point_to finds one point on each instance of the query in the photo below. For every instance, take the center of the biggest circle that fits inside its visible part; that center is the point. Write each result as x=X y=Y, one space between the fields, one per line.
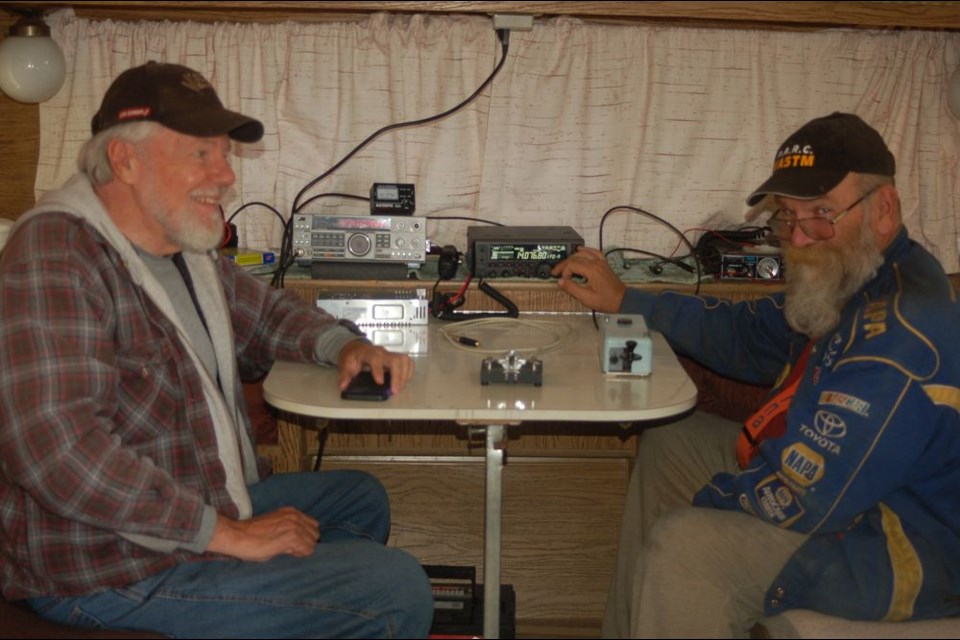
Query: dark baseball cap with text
x=175 y=96
x=819 y=155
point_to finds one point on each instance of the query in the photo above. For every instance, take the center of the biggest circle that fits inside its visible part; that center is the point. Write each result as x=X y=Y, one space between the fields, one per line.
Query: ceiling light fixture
x=32 y=67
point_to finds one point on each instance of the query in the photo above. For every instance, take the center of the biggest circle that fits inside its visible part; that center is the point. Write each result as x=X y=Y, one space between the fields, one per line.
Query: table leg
x=493 y=504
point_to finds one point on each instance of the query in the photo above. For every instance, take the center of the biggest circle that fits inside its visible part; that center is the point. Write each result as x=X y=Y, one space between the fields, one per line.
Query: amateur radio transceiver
x=378 y=306
x=384 y=239
x=393 y=319
x=745 y=265
x=519 y=252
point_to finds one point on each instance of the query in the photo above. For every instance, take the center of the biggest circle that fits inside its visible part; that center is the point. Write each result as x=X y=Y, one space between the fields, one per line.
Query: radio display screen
x=388 y=192
x=528 y=252
x=350 y=222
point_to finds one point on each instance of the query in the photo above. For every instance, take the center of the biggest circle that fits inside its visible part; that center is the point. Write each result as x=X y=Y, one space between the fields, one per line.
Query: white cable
x=559 y=330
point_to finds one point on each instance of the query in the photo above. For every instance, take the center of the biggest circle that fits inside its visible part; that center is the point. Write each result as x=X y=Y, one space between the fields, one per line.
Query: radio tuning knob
x=359 y=244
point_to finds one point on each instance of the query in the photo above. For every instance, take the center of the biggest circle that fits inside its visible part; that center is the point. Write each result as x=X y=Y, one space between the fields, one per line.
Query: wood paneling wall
x=19 y=148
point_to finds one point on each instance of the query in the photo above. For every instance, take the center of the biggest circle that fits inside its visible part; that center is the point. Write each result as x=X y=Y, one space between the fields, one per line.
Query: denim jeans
x=352 y=585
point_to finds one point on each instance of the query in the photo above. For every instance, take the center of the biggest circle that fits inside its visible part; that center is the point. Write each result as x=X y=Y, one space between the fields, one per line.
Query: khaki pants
x=683 y=571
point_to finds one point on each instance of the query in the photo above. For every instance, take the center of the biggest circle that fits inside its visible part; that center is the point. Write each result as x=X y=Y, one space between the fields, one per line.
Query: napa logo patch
x=777 y=503
x=801 y=464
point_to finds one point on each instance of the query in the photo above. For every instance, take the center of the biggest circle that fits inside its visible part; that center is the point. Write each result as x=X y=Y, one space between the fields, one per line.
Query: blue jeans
x=352 y=585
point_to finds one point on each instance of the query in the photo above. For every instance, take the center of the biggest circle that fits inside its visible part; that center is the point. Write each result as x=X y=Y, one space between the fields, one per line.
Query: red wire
x=463 y=289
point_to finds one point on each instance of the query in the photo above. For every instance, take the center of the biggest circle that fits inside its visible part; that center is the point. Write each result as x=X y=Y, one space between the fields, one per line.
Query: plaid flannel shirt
x=103 y=421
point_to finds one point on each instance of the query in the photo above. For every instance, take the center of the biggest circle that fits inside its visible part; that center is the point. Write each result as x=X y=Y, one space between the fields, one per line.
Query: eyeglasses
x=820 y=226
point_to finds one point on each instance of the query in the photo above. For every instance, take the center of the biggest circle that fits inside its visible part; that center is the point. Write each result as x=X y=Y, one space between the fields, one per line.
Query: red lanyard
x=771 y=420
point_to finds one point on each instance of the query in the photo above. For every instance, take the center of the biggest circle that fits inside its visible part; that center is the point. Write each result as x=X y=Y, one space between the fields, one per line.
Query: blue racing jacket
x=869 y=464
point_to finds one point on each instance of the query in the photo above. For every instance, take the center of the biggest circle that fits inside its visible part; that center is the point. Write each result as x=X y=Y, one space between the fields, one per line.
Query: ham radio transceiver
x=519 y=252
x=371 y=239
x=751 y=265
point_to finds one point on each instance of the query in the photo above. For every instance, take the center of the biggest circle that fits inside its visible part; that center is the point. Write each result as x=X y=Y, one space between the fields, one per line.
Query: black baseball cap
x=175 y=96
x=821 y=153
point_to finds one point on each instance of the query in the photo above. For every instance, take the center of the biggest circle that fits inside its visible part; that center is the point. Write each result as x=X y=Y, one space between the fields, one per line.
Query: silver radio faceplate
x=369 y=238
x=394 y=319
x=377 y=306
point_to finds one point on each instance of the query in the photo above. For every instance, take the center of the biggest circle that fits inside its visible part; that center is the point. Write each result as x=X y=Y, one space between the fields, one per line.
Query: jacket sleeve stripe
x=943 y=395
x=907 y=570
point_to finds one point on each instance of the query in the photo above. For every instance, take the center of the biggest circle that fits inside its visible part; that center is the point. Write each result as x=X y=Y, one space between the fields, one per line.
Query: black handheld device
x=364 y=387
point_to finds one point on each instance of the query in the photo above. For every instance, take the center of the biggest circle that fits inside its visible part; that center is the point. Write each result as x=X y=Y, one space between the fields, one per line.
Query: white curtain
x=681 y=122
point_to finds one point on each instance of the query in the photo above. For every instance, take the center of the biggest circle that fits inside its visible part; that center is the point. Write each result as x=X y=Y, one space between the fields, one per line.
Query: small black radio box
x=743 y=265
x=390 y=198
x=519 y=252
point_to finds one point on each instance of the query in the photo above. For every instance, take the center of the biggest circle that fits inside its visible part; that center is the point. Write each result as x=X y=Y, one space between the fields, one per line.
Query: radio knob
x=359 y=244
x=768 y=268
x=543 y=270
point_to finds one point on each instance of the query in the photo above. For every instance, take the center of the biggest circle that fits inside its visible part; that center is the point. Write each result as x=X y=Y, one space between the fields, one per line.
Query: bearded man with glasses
x=841 y=493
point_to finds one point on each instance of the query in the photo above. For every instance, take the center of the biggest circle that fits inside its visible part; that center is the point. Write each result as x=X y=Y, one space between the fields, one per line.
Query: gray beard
x=187 y=233
x=200 y=239
x=820 y=284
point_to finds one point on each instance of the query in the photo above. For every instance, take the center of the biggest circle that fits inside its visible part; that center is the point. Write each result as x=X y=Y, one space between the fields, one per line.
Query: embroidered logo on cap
x=195 y=82
x=133 y=113
x=794 y=156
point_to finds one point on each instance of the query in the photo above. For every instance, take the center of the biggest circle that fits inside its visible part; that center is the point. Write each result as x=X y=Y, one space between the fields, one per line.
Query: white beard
x=821 y=280
x=194 y=235
x=186 y=230
x=183 y=228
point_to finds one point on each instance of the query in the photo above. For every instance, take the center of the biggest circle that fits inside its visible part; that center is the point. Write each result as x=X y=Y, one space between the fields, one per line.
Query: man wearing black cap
x=130 y=492
x=840 y=494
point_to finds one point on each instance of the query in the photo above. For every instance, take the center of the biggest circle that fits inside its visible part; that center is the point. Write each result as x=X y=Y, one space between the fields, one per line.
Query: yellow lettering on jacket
x=875 y=316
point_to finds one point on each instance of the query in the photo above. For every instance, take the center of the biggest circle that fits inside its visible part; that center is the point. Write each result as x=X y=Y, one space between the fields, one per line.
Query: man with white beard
x=131 y=495
x=839 y=494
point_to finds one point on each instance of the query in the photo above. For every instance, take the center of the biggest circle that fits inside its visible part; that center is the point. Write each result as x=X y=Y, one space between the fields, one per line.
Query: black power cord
x=443 y=306
x=707 y=252
x=657 y=267
x=644 y=212
x=287 y=256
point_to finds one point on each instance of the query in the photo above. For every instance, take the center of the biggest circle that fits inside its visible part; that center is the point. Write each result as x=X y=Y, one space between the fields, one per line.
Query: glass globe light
x=32 y=67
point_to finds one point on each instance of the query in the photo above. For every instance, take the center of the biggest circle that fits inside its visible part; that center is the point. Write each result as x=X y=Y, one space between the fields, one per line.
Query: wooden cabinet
x=564 y=485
